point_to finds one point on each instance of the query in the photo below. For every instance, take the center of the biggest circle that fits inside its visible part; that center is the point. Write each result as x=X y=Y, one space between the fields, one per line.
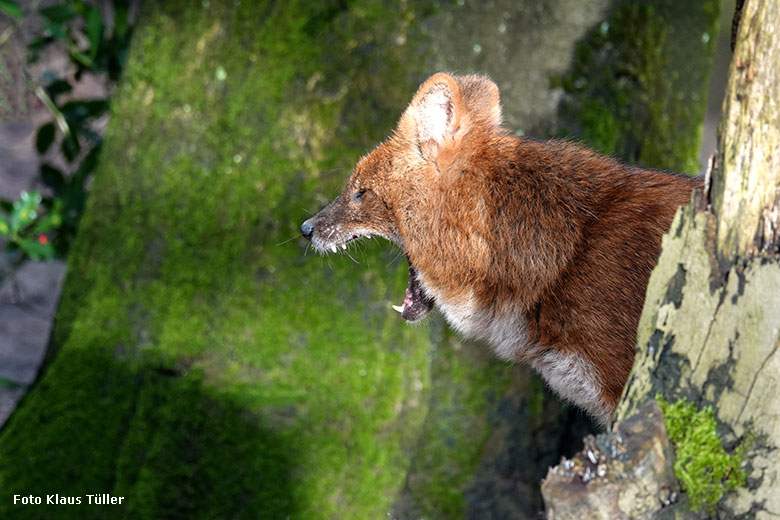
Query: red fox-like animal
x=540 y=249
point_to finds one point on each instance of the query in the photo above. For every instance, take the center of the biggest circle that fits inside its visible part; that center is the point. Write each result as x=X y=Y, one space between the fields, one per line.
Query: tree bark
x=710 y=330
x=744 y=192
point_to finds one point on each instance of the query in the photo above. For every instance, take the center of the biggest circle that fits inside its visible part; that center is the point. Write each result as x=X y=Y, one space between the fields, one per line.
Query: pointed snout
x=307 y=229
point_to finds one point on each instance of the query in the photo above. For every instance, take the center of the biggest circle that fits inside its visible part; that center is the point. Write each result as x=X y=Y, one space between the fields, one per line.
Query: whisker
x=331 y=171
x=362 y=248
x=350 y=257
x=395 y=259
x=288 y=240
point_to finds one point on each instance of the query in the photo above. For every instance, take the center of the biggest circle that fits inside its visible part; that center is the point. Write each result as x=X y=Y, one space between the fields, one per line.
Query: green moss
x=703 y=467
x=203 y=364
x=626 y=93
x=466 y=382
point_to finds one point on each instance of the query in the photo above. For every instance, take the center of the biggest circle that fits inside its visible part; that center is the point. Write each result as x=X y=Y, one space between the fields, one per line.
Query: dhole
x=540 y=249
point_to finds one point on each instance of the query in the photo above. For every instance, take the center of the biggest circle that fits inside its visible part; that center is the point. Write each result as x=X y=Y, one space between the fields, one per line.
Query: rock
x=626 y=473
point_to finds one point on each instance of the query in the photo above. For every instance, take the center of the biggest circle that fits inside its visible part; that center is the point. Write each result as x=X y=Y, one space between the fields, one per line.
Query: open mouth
x=335 y=248
x=416 y=303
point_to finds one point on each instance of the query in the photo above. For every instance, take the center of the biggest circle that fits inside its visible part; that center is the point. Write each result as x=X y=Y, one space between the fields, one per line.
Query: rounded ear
x=435 y=112
x=481 y=97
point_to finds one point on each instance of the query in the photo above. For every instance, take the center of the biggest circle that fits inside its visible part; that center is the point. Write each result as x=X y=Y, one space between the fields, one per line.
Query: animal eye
x=359 y=194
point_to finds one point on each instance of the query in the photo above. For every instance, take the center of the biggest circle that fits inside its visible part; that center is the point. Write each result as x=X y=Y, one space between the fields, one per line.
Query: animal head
x=393 y=188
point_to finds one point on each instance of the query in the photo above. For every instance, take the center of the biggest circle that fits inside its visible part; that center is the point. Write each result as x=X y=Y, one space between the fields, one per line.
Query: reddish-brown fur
x=551 y=232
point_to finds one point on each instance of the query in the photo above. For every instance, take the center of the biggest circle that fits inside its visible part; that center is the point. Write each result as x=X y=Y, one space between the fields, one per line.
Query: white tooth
x=399 y=308
x=333 y=248
x=344 y=247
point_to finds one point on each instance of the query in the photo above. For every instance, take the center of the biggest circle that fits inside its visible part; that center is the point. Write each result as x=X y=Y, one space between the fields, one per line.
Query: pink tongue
x=408 y=297
x=416 y=303
x=408 y=301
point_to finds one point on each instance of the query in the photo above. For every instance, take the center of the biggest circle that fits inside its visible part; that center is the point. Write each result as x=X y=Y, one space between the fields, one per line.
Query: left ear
x=435 y=115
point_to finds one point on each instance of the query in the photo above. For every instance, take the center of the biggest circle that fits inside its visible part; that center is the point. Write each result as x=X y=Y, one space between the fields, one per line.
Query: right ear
x=435 y=115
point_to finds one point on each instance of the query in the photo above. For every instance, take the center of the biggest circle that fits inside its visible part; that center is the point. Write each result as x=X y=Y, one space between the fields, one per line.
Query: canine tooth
x=344 y=247
x=333 y=248
x=399 y=308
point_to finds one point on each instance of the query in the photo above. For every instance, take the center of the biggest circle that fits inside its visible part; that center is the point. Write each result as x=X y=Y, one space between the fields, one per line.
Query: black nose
x=307 y=229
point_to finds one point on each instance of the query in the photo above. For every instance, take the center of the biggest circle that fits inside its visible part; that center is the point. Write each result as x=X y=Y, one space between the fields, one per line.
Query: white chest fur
x=505 y=333
x=574 y=378
x=504 y=329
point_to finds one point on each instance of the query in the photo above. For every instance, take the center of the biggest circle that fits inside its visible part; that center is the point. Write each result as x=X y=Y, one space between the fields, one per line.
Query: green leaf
x=73 y=199
x=78 y=110
x=24 y=210
x=34 y=47
x=121 y=21
x=45 y=137
x=57 y=87
x=55 y=31
x=10 y=8
x=94 y=30
x=52 y=177
x=7 y=383
x=70 y=147
x=82 y=59
x=30 y=197
x=59 y=14
x=87 y=166
x=47 y=223
x=36 y=250
x=80 y=7
x=5 y=229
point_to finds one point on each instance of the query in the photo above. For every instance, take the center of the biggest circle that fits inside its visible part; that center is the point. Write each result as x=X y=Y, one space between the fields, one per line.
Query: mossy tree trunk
x=710 y=330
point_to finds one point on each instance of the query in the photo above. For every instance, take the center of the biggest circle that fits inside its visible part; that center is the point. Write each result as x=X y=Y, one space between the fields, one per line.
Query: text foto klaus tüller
x=100 y=499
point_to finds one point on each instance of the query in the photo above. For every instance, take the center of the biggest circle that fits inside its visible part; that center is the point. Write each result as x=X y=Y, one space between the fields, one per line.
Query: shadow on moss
x=173 y=450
